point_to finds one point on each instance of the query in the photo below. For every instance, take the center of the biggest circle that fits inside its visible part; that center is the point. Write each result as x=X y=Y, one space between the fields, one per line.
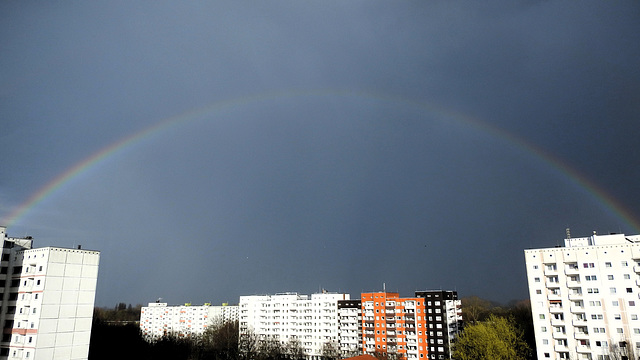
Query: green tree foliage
x=475 y=309
x=496 y=338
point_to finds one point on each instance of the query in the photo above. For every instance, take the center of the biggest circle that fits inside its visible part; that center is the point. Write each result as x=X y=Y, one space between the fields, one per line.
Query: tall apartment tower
x=159 y=319
x=311 y=320
x=585 y=298
x=444 y=320
x=350 y=328
x=47 y=300
x=394 y=325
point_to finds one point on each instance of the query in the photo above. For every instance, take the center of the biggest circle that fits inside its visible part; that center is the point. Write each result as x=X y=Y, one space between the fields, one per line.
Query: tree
x=496 y=338
x=270 y=349
x=294 y=350
x=475 y=309
x=220 y=341
x=330 y=351
x=248 y=345
x=621 y=350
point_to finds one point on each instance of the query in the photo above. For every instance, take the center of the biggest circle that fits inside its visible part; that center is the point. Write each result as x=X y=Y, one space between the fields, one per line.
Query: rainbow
x=575 y=177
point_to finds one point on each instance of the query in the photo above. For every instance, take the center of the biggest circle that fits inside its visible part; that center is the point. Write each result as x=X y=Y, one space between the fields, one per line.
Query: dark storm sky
x=342 y=145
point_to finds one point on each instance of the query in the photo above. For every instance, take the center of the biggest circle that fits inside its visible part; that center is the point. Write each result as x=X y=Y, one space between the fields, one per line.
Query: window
x=632 y=303
x=588 y=265
x=629 y=290
x=612 y=290
x=607 y=264
x=615 y=303
x=627 y=276
x=609 y=277
x=591 y=278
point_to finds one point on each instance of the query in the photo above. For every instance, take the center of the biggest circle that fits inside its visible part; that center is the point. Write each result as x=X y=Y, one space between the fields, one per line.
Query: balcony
x=575 y=296
x=583 y=349
x=555 y=309
x=561 y=348
x=552 y=283
x=576 y=309
x=573 y=284
x=571 y=270
x=552 y=271
x=579 y=322
x=559 y=335
x=581 y=335
x=554 y=297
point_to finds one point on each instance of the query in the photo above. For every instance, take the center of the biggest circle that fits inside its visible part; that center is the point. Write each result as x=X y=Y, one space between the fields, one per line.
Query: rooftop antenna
x=384 y=287
x=568 y=231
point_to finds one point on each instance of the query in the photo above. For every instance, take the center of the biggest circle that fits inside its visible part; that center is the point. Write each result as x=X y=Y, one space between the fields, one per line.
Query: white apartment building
x=47 y=300
x=311 y=320
x=159 y=319
x=585 y=298
x=350 y=328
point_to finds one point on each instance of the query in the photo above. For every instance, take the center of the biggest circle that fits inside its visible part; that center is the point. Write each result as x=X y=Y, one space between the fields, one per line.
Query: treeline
x=487 y=326
x=120 y=313
x=493 y=331
x=221 y=341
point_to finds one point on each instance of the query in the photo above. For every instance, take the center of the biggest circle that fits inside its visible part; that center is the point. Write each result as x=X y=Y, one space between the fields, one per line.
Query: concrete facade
x=48 y=300
x=585 y=298
x=311 y=320
x=160 y=319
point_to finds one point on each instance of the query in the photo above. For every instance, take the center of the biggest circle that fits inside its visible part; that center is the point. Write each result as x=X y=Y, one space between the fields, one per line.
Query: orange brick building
x=394 y=325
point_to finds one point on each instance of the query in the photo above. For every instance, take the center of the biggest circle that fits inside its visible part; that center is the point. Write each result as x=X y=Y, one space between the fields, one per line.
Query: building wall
x=394 y=325
x=160 y=319
x=585 y=297
x=444 y=319
x=311 y=320
x=50 y=308
x=350 y=327
x=9 y=285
